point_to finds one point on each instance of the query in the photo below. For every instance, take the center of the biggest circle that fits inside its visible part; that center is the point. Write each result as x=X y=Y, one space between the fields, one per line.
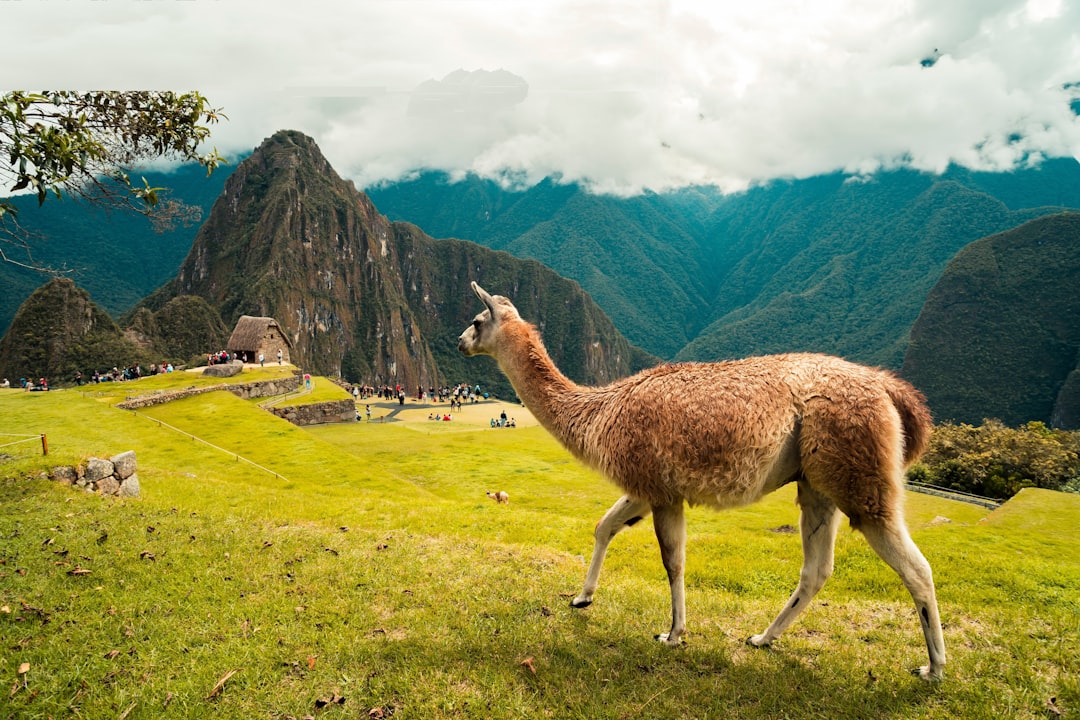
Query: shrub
x=997 y=461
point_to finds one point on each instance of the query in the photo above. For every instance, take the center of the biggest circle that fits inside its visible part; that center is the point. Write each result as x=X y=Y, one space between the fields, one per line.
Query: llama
x=726 y=434
x=499 y=497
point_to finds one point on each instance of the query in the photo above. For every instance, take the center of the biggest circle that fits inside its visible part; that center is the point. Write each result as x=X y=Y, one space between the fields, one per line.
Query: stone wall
x=266 y=388
x=246 y=391
x=317 y=413
x=115 y=476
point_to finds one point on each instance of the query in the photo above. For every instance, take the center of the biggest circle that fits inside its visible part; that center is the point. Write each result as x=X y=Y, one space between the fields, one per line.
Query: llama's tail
x=914 y=415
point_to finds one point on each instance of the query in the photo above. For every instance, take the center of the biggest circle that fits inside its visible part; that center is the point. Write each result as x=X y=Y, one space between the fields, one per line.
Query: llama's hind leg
x=625 y=512
x=669 y=522
x=892 y=542
x=818 y=524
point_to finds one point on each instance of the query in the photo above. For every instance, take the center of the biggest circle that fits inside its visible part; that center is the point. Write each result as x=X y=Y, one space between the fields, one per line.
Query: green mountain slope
x=830 y=276
x=361 y=297
x=999 y=335
x=116 y=256
x=828 y=263
x=635 y=256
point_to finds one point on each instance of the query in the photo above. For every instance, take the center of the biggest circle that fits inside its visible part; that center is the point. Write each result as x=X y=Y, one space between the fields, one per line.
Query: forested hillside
x=999 y=336
x=832 y=263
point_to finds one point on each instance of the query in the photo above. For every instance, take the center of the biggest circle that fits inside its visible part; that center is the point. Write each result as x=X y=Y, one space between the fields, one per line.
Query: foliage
x=71 y=142
x=371 y=568
x=994 y=460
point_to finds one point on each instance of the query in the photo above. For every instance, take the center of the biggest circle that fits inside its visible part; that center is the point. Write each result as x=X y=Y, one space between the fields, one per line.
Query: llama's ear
x=485 y=298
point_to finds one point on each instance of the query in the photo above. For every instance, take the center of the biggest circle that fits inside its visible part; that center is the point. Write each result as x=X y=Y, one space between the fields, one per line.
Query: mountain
x=635 y=256
x=839 y=266
x=362 y=297
x=117 y=256
x=999 y=335
x=58 y=331
x=831 y=263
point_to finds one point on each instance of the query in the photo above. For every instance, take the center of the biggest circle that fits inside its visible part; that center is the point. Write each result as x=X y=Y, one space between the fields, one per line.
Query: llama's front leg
x=625 y=512
x=818 y=524
x=669 y=522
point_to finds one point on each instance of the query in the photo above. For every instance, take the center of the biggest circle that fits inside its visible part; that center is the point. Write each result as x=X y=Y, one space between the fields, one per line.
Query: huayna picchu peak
x=370 y=300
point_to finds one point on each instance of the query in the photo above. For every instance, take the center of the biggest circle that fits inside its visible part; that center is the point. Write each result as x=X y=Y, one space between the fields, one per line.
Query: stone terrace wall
x=317 y=413
x=260 y=388
x=115 y=476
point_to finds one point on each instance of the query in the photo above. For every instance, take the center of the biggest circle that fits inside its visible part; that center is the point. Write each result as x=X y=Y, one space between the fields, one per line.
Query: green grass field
x=358 y=570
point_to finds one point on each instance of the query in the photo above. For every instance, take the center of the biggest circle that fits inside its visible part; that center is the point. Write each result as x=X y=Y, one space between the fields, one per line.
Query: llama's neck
x=540 y=385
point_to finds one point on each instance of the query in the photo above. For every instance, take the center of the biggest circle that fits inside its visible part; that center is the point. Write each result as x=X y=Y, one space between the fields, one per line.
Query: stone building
x=254 y=335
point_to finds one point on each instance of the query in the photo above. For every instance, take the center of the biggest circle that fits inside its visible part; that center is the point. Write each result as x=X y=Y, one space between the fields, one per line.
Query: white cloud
x=622 y=95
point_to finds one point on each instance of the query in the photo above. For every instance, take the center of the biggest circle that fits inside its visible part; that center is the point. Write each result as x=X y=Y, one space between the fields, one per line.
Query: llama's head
x=481 y=337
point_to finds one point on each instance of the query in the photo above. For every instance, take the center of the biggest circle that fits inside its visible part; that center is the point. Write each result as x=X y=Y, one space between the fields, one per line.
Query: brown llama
x=499 y=496
x=726 y=434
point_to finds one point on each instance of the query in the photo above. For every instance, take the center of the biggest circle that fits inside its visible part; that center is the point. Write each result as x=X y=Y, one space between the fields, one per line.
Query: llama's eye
x=476 y=324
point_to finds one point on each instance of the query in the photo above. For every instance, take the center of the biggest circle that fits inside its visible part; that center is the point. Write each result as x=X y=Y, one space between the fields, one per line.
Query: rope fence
x=27 y=438
x=239 y=458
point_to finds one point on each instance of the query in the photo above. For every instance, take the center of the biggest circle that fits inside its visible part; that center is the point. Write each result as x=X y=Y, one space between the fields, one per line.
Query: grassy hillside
x=363 y=571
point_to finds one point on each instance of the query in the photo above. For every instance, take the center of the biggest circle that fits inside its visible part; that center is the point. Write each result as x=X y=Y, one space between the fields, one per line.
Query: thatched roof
x=250 y=331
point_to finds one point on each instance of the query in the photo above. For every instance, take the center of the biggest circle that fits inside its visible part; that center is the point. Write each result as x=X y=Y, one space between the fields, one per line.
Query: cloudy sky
x=619 y=94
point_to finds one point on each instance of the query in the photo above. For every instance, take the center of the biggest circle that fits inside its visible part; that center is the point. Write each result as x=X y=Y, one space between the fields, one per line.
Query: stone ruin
x=115 y=476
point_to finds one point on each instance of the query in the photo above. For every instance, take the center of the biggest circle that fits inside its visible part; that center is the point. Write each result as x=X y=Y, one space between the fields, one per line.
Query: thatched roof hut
x=255 y=336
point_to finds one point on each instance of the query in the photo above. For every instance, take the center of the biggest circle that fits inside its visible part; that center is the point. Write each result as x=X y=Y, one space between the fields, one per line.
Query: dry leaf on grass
x=527 y=663
x=78 y=570
x=221 y=684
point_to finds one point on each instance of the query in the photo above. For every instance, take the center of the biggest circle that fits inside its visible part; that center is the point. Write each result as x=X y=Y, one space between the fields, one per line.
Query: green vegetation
x=59 y=332
x=371 y=577
x=830 y=264
x=999 y=334
x=118 y=257
x=997 y=461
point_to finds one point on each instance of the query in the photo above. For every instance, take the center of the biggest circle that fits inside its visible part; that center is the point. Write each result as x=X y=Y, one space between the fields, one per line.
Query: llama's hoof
x=928 y=674
x=758 y=641
x=580 y=603
x=666 y=639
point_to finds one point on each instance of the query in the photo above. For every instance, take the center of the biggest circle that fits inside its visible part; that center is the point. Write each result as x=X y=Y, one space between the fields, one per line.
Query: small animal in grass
x=726 y=434
x=500 y=496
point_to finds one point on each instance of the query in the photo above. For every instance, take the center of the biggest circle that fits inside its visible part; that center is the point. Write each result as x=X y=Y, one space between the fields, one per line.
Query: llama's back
x=707 y=432
x=726 y=433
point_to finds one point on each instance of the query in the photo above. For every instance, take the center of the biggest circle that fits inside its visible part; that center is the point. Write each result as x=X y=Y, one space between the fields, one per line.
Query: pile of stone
x=115 y=476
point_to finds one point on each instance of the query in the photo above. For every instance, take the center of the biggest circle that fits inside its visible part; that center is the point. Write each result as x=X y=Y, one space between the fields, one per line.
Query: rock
x=224 y=371
x=130 y=487
x=108 y=485
x=939 y=520
x=96 y=469
x=65 y=474
x=123 y=464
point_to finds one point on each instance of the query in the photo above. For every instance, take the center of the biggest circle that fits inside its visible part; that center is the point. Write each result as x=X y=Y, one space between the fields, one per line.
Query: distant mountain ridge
x=832 y=263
